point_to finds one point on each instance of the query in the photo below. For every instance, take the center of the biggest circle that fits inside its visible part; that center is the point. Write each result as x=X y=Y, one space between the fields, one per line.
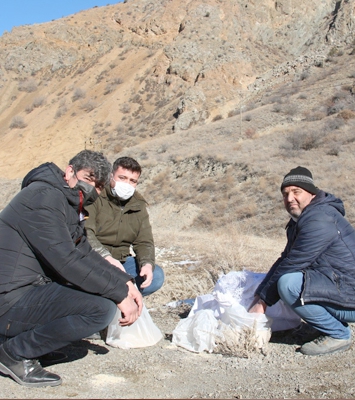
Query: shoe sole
x=8 y=372
x=338 y=350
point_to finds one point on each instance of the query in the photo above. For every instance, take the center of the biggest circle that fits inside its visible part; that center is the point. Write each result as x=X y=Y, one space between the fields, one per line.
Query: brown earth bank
x=217 y=100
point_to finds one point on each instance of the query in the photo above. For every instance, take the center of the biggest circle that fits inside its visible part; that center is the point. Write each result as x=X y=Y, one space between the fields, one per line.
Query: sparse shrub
x=302 y=96
x=89 y=105
x=38 y=101
x=276 y=99
x=314 y=116
x=78 y=94
x=125 y=108
x=304 y=75
x=162 y=149
x=332 y=52
x=217 y=118
x=335 y=124
x=247 y=117
x=28 y=85
x=340 y=95
x=305 y=141
x=335 y=108
x=232 y=113
x=61 y=111
x=17 y=122
x=276 y=108
x=346 y=114
x=250 y=133
x=334 y=151
x=29 y=109
x=289 y=109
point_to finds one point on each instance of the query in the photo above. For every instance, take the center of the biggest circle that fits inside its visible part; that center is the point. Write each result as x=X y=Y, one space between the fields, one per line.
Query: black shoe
x=53 y=357
x=27 y=372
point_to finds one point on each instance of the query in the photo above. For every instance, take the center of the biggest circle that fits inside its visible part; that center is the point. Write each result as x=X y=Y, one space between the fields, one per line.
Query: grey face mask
x=89 y=192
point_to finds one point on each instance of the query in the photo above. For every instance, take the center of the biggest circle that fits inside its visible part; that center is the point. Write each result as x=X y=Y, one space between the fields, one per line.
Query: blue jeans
x=328 y=318
x=51 y=316
x=132 y=268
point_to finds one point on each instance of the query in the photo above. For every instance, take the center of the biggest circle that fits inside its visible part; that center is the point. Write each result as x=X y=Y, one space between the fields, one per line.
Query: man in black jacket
x=315 y=274
x=54 y=289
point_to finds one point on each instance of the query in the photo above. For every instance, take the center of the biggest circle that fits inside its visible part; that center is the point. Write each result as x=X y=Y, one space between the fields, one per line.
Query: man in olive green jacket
x=118 y=222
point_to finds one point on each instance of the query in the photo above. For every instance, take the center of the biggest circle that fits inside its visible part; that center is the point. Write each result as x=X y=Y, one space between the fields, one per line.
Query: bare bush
x=314 y=116
x=125 y=108
x=276 y=108
x=89 y=105
x=78 y=94
x=304 y=75
x=250 y=133
x=346 y=114
x=334 y=124
x=305 y=141
x=17 y=122
x=39 y=101
x=61 y=111
x=29 y=109
x=28 y=85
x=237 y=342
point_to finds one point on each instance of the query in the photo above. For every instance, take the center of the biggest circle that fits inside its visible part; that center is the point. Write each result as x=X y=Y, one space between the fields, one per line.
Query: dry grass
x=236 y=342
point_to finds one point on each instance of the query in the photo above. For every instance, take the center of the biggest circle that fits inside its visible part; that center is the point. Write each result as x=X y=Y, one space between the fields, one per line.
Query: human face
x=296 y=200
x=72 y=178
x=125 y=175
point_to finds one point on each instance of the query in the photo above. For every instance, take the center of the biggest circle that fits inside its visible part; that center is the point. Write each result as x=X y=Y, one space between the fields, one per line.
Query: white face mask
x=123 y=190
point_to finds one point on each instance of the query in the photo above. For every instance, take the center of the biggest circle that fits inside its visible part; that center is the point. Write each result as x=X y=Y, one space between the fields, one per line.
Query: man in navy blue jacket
x=315 y=274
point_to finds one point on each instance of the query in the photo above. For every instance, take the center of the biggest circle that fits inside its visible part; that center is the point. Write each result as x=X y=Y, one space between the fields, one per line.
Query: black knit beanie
x=301 y=177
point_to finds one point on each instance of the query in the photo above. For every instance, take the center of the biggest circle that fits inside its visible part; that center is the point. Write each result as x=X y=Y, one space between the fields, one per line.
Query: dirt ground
x=94 y=370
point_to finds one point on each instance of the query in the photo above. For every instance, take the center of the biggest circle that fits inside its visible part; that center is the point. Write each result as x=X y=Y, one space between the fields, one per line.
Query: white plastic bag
x=142 y=333
x=197 y=333
x=238 y=287
x=239 y=318
x=228 y=307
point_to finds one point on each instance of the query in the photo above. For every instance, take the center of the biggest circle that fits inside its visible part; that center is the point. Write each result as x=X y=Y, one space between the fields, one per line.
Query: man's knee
x=290 y=286
x=103 y=311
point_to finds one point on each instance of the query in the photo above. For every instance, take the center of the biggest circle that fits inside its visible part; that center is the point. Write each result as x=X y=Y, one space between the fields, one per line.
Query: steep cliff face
x=116 y=76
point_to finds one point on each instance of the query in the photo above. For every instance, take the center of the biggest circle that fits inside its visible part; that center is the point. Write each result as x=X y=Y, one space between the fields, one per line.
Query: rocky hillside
x=218 y=100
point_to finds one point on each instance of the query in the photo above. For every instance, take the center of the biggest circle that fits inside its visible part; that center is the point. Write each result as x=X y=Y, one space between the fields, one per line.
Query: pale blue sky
x=28 y=12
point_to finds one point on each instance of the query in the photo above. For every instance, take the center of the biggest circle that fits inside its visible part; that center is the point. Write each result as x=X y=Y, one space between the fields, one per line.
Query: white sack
x=142 y=333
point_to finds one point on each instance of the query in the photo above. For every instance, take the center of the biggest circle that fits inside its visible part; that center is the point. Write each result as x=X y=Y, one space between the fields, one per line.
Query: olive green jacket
x=113 y=226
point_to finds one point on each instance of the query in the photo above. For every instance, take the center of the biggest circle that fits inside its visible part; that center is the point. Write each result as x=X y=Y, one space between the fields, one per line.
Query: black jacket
x=41 y=238
x=321 y=244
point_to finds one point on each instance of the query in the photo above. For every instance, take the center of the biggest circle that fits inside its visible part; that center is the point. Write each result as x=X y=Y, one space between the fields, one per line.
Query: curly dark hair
x=96 y=163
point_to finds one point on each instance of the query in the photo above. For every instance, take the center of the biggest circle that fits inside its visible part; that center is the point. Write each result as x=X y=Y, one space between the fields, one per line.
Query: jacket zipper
x=304 y=287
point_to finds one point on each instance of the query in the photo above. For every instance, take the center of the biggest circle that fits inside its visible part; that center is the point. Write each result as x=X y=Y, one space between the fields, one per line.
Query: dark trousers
x=52 y=316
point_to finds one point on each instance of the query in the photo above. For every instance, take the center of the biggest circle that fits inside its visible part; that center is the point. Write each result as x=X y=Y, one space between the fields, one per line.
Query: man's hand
x=115 y=262
x=147 y=273
x=258 y=306
x=131 y=306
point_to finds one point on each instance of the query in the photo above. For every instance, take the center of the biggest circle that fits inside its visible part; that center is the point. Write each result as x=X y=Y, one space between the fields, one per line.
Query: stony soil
x=95 y=370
